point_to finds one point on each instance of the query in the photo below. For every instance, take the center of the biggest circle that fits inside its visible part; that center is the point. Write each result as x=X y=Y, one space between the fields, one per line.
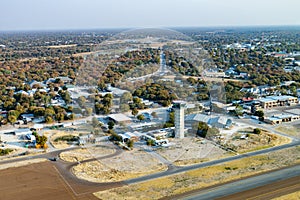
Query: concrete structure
x=178 y=107
x=214 y=121
x=278 y=119
x=277 y=101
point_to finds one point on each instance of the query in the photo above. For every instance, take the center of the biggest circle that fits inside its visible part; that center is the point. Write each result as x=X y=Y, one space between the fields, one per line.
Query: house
x=119 y=118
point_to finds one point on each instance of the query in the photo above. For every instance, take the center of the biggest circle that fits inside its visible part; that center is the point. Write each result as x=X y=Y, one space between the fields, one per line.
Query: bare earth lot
x=189 y=151
x=129 y=164
x=36 y=181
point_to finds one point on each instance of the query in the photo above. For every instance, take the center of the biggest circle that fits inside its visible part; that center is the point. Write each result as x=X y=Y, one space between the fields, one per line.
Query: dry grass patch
x=204 y=177
x=254 y=142
x=289 y=130
x=292 y=196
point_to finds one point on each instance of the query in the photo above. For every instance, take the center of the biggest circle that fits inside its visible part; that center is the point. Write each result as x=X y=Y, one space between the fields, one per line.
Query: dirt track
x=42 y=181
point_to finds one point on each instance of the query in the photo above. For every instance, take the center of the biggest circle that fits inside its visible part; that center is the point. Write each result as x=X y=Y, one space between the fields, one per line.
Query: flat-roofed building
x=277 y=101
x=119 y=118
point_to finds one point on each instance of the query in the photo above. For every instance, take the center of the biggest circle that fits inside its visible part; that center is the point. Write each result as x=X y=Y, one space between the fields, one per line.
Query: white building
x=179 y=106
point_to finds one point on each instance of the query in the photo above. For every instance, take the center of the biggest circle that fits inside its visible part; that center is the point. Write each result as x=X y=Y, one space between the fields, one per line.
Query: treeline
x=155 y=92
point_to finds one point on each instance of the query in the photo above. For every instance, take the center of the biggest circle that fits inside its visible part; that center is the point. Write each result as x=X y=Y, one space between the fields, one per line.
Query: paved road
x=290 y=176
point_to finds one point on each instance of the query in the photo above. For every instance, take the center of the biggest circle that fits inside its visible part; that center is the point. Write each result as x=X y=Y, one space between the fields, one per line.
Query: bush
x=68 y=138
x=4 y=152
x=256 y=131
x=150 y=142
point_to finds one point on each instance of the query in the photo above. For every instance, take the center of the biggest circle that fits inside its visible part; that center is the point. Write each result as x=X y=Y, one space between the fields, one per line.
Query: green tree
x=125 y=98
x=140 y=117
x=49 y=120
x=111 y=125
x=124 y=107
x=256 y=131
x=260 y=114
x=134 y=111
x=59 y=117
x=95 y=122
x=130 y=144
x=12 y=119
x=202 y=129
x=239 y=110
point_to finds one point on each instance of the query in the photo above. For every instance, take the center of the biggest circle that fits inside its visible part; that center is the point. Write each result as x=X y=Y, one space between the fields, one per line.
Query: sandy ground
x=22 y=163
x=204 y=177
x=129 y=164
x=86 y=153
x=189 y=151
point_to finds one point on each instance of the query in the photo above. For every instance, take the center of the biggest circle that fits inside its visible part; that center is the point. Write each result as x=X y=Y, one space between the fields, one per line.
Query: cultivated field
x=35 y=181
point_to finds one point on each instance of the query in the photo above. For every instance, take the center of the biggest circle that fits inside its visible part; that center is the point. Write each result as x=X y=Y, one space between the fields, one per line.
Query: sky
x=93 y=14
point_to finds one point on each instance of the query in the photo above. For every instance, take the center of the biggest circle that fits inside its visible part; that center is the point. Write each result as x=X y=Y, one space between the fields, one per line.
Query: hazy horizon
x=92 y=14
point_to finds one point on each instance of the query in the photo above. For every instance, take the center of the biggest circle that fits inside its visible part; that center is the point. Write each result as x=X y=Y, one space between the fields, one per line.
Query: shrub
x=256 y=131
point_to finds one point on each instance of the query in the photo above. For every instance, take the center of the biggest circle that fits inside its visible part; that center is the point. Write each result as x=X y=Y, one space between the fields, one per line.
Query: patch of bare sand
x=188 y=151
x=130 y=164
x=22 y=163
x=86 y=153
x=203 y=177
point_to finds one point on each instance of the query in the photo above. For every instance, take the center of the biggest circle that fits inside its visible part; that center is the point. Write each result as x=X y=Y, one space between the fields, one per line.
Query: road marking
x=66 y=182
